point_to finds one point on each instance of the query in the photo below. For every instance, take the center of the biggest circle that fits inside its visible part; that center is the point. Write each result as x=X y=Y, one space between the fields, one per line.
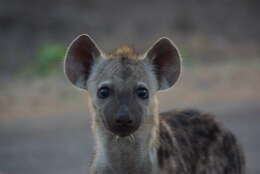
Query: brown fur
x=124 y=51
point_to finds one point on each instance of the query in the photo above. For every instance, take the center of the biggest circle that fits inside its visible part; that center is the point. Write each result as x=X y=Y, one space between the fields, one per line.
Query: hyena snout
x=123 y=123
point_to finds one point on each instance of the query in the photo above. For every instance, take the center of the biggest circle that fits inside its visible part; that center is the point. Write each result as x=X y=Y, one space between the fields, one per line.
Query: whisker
x=117 y=139
x=132 y=138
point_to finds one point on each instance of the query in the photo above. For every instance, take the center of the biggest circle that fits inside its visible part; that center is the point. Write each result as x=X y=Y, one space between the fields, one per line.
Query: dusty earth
x=45 y=126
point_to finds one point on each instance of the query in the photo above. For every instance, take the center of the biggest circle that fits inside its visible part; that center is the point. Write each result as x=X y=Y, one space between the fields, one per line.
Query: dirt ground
x=45 y=126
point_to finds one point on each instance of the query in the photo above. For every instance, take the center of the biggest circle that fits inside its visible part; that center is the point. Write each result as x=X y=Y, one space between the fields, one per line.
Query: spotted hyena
x=131 y=136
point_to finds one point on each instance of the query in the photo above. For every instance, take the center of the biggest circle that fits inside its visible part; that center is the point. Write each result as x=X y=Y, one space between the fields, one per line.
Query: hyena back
x=131 y=136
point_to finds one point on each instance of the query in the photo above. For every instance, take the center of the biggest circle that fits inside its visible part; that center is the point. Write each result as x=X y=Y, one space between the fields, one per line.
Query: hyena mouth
x=123 y=131
x=120 y=131
x=130 y=138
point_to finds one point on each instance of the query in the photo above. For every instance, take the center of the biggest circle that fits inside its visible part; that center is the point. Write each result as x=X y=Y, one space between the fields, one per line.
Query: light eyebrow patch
x=106 y=83
x=142 y=84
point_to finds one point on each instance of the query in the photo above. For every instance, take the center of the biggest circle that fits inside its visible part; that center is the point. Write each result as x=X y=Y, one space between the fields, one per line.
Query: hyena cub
x=131 y=136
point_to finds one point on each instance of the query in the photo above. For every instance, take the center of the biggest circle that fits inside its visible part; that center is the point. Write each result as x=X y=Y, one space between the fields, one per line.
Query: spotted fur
x=193 y=142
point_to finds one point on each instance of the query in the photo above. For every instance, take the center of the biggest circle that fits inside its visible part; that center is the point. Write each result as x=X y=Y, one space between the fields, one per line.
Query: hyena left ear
x=166 y=61
x=81 y=56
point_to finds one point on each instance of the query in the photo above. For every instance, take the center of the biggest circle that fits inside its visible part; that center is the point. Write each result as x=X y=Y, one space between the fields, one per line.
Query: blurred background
x=44 y=121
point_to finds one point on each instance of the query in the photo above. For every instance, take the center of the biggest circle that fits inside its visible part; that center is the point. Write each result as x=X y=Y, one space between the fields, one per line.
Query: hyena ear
x=166 y=61
x=80 y=57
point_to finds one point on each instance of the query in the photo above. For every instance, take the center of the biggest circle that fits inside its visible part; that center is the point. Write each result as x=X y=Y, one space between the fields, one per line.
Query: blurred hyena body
x=131 y=136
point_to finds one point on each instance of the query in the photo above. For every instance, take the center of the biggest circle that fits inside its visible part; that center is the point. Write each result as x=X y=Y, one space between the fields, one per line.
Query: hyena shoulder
x=191 y=141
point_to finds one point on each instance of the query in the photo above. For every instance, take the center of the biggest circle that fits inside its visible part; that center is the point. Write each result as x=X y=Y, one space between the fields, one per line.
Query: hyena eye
x=142 y=93
x=103 y=92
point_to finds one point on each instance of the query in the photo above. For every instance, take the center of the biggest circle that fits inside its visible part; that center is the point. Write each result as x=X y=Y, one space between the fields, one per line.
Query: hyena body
x=131 y=136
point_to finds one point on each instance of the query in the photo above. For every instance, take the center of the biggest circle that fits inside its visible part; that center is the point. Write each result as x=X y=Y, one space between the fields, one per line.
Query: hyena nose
x=123 y=120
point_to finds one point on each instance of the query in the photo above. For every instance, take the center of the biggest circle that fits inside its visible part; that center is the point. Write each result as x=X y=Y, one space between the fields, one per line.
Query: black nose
x=123 y=120
x=122 y=123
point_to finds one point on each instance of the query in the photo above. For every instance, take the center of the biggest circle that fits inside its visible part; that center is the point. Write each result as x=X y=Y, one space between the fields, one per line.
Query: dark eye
x=103 y=92
x=142 y=93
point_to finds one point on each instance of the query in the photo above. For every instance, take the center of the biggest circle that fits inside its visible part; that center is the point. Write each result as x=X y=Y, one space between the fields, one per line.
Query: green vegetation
x=48 y=59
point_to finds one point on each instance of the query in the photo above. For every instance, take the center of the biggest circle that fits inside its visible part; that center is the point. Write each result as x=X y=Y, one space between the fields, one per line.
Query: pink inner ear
x=167 y=66
x=83 y=57
x=164 y=58
x=78 y=66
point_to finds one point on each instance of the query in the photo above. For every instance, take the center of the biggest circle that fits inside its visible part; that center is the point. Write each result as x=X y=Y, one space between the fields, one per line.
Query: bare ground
x=45 y=129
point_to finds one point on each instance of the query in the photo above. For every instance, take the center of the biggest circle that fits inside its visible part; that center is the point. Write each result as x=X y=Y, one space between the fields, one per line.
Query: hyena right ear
x=166 y=62
x=80 y=57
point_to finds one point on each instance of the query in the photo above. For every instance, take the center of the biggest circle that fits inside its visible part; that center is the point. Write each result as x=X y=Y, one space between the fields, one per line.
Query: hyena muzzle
x=131 y=136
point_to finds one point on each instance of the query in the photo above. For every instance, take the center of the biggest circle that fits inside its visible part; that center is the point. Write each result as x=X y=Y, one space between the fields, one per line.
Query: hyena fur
x=131 y=136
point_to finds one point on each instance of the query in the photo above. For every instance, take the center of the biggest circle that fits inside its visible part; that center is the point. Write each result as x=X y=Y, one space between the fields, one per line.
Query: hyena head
x=122 y=85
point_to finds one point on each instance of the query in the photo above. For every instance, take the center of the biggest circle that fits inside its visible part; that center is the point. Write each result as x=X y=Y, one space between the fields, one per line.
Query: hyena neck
x=133 y=154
